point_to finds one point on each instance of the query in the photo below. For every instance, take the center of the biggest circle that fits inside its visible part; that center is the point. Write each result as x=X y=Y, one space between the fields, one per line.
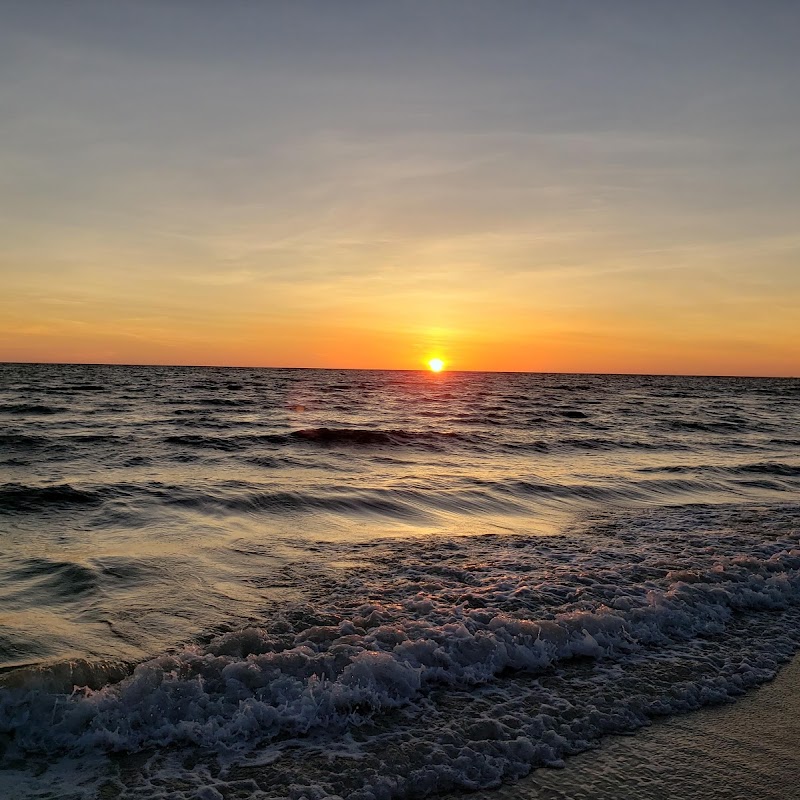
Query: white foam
x=655 y=605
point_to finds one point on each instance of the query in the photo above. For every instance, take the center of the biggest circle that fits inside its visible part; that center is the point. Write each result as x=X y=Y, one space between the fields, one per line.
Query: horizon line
x=398 y=369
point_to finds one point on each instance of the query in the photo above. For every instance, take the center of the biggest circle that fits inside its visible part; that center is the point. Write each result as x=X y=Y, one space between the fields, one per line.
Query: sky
x=571 y=186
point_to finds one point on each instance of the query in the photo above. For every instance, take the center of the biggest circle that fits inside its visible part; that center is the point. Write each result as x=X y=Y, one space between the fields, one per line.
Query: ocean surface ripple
x=313 y=583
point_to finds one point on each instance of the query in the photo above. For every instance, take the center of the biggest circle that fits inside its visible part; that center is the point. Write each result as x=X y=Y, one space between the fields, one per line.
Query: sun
x=436 y=364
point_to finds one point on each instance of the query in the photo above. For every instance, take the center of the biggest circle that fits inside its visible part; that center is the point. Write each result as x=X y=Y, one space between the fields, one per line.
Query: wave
x=762 y=483
x=62 y=677
x=67 y=388
x=783 y=470
x=401 y=501
x=633 y=491
x=605 y=443
x=657 y=615
x=586 y=443
x=721 y=426
x=349 y=502
x=95 y=438
x=23 y=441
x=322 y=436
x=51 y=580
x=229 y=444
x=15 y=462
x=571 y=413
x=224 y=402
x=760 y=468
x=30 y=408
x=249 y=499
x=17 y=497
x=86 y=387
x=355 y=436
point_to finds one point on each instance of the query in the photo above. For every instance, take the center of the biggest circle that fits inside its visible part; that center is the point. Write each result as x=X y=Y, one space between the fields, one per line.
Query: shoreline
x=746 y=749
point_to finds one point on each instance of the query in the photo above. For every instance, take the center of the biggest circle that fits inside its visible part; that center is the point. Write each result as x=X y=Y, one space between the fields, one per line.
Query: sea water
x=314 y=583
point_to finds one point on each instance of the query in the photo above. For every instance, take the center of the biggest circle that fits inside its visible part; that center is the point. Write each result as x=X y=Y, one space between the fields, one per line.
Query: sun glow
x=436 y=364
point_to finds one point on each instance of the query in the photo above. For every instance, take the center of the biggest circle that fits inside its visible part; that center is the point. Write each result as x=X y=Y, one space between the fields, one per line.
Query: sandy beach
x=748 y=750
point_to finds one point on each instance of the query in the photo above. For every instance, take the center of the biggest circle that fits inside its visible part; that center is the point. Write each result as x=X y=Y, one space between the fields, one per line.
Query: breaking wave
x=643 y=617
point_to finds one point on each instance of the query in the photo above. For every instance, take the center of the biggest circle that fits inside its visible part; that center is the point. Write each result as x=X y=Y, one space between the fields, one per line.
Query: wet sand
x=748 y=750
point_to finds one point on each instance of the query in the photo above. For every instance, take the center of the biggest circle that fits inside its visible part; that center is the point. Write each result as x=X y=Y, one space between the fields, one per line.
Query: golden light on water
x=436 y=364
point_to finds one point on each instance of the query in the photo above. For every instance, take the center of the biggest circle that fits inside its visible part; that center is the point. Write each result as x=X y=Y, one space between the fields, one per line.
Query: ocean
x=268 y=583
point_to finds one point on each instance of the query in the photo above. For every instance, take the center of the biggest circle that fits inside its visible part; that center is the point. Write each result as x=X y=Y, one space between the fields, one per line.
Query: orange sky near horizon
x=611 y=189
x=491 y=344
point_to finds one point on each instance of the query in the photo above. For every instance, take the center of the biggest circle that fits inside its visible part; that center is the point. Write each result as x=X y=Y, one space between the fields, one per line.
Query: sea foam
x=475 y=658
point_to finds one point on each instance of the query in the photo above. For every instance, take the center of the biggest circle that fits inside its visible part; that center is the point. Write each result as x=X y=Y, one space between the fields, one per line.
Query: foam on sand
x=747 y=749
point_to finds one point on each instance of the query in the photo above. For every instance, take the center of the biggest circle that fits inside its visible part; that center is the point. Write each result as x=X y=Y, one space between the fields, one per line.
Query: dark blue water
x=436 y=581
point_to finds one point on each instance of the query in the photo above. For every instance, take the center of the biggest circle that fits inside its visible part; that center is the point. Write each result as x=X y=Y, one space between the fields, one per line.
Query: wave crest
x=17 y=497
x=455 y=615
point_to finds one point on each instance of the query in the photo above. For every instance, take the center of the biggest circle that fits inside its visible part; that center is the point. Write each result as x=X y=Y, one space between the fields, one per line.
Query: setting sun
x=436 y=364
